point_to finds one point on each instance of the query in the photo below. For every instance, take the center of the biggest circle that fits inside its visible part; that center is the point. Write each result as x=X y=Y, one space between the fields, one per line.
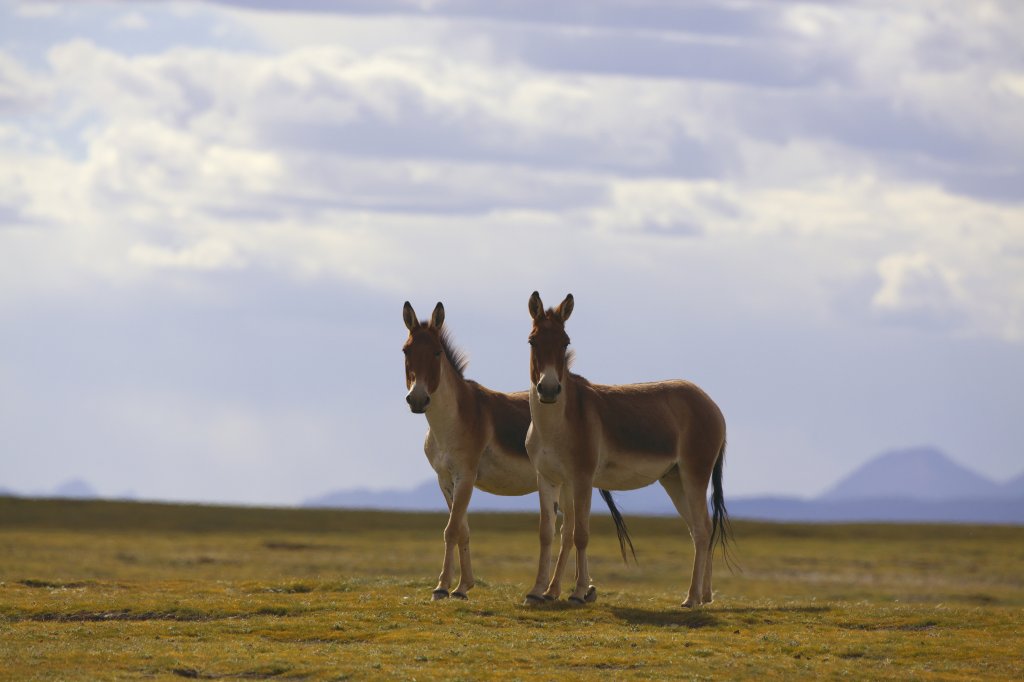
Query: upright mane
x=456 y=356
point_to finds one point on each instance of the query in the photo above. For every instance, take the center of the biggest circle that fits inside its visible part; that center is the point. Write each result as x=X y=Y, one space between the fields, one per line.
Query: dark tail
x=620 y=527
x=721 y=528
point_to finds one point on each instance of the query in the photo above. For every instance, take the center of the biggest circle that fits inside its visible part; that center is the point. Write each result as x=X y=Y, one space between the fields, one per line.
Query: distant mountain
x=75 y=488
x=424 y=497
x=1013 y=488
x=1002 y=510
x=918 y=474
x=910 y=485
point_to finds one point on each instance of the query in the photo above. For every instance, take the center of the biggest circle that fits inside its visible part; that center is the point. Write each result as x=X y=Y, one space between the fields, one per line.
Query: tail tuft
x=620 y=528
x=721 y=527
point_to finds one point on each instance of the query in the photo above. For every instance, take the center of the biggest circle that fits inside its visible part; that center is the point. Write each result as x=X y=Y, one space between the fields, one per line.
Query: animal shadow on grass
x=773 y=609
x=680 y=619
x=702 y=618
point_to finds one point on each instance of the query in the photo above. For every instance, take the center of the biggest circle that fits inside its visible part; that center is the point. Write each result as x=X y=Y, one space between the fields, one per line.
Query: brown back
x=511 y=415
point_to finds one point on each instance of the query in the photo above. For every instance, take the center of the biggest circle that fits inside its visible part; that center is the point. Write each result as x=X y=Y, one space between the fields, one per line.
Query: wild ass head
x=549 y=347
x=423 y=350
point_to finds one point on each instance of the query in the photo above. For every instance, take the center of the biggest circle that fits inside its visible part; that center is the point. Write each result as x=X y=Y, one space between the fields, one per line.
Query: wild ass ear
x=409 y=315
x=565 y=308
x=437 y=317
x=536 y=306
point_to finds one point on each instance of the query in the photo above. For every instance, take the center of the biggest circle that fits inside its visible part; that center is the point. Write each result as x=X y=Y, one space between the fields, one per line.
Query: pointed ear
x=409 y=315
x=437 y=317
x=536 y=306
x=565 y=308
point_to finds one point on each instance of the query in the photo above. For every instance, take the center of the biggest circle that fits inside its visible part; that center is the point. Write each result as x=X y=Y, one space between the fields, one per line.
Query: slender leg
x=706 y=594
x=672 y=482
x=448 y=488
x=695 y=501
x=466 y=580
x=463 y=490
x=582 y=491
x=548 y=493
x=554 y=590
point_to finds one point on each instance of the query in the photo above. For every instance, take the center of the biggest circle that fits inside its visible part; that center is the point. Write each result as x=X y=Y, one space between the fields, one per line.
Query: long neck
x=446 y=401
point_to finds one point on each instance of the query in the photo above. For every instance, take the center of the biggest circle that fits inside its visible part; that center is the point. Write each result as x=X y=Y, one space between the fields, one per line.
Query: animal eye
x=437 y=354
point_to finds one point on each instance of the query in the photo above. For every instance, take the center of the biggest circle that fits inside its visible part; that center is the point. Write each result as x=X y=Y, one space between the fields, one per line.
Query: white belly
x=496 y=472
x=618 y=470
x=502 y=473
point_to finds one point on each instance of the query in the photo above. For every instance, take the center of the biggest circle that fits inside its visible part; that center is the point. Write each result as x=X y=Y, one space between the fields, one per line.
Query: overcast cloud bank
x=211 y=214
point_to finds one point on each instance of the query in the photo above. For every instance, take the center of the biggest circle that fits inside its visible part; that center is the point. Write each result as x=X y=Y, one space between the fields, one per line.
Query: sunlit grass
x=107 y=590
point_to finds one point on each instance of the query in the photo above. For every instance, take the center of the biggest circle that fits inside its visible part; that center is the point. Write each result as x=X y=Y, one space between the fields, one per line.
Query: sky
x=212 y=213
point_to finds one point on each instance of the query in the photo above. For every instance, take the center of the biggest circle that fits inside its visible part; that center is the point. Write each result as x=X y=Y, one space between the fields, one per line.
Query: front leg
x=582 y=491
x=554 y=590
x=456 y=533
x=466 y=580
x=548 y=493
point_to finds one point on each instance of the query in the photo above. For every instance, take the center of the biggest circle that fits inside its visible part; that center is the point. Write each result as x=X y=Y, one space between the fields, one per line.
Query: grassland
x=99 y=590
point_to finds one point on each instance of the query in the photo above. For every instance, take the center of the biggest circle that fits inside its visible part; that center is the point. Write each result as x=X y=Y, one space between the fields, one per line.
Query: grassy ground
x=96 y=590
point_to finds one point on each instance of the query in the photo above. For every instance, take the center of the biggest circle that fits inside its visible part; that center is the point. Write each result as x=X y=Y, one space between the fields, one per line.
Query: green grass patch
x=101 y=590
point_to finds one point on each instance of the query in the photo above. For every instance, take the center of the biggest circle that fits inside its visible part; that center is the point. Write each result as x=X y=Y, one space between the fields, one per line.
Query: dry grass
x=123 y=591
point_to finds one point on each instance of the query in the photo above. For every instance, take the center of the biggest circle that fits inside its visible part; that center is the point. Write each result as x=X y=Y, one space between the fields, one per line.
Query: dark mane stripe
x=456 y=356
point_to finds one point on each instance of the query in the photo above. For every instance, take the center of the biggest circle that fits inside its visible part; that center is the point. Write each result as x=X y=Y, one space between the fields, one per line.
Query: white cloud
x=209 y=254
x=334 y=161
x=38 y=10
x=1009 y=82
x=20 y=90
x=933 y=68
x=918 y=289
x=133 y=21
x=477 y=159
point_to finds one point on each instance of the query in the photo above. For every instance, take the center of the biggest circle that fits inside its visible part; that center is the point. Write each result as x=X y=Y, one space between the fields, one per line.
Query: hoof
x=576 y=601
x=439 y=594
x=550 y=597
x=460 y=595
x=533 y=600
x=591 y=596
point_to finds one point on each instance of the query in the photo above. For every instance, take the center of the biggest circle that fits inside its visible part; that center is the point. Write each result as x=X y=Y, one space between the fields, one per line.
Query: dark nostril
x=408 y=399
x=426 y=401
x=559 y=389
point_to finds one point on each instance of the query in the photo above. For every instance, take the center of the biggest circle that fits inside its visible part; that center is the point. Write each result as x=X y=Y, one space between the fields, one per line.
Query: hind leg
x=706 y=594
x=700 y=581
x=695 y=490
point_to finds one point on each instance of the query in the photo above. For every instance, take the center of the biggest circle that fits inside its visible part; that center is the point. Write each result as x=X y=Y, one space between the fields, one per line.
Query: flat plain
x=118 y=590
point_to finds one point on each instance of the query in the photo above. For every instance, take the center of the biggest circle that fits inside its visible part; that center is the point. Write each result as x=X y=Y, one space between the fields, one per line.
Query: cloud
x=133 y=21
x=209 y=254
x=917 y=290
x=319 y=160
x=209 y=227
x=38 y=10
x=20 y=90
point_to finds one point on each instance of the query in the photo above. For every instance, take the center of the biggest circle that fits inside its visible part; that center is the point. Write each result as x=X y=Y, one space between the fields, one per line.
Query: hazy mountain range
x=917 y=484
